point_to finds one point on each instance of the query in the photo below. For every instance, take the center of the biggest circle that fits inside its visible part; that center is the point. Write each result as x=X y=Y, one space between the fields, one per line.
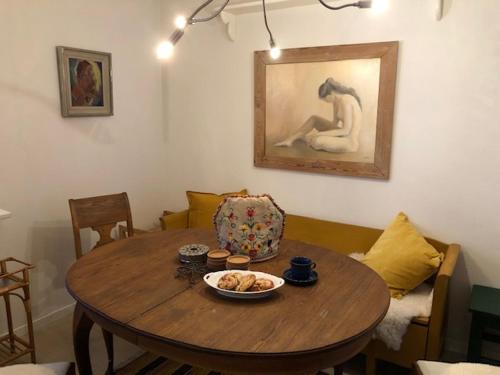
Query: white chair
x=441 y=368
x=59 y=368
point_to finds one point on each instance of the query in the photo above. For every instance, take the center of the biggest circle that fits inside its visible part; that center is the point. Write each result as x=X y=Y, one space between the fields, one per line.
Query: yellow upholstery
x=178 y=220
x=202 y=207
x=402 y=257
x=343 y=238
x=424 y=338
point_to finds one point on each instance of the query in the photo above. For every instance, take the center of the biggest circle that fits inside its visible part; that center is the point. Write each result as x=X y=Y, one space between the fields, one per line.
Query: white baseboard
x=45 y=319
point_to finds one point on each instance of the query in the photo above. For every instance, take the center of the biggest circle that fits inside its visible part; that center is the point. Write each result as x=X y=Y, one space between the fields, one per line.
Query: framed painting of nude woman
x=85 y=82
x=326 y=109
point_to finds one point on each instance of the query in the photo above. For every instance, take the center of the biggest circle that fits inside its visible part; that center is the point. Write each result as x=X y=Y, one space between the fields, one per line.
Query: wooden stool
x=485 y=309
x=12 y=283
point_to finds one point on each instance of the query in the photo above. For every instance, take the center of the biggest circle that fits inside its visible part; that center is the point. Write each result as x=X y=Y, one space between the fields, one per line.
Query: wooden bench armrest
x=421 y=320
x=448 y=266
x=439 y=301
x=177 y=220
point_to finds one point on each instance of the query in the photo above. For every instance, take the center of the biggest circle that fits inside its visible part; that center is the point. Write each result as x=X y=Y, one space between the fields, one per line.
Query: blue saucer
x=313 y=277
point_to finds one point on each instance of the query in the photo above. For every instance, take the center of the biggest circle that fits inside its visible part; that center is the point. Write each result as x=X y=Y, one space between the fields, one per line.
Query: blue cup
x=302 y=268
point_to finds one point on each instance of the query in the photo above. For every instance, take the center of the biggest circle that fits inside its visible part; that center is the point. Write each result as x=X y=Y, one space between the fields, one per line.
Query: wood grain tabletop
x=130 y=287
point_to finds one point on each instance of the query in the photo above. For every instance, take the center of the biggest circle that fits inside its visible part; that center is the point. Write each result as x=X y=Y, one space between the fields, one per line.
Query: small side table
x=16 y=283
x=485 y=309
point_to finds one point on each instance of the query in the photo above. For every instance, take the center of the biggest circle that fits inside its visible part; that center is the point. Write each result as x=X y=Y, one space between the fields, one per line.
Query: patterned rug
x=150 y=364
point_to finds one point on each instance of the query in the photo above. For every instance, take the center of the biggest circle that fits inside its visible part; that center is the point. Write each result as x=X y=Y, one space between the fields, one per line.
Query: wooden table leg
x=108 y=340
x=81 y=332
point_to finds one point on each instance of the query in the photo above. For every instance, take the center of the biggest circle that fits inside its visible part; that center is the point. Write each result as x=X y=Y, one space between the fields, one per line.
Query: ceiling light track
x=166 y=48
x=359 y=4
x=192 y=20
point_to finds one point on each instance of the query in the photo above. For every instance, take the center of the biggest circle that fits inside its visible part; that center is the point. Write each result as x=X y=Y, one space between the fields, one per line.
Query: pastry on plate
x=262 y=284
x=229 y=281
x=246 y=283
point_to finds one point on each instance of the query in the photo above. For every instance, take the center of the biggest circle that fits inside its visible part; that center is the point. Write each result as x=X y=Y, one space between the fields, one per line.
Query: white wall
x=444 y=173
x=46 y=159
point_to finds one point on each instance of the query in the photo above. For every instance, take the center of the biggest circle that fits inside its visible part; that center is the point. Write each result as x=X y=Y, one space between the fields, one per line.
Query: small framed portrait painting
x=85 y=82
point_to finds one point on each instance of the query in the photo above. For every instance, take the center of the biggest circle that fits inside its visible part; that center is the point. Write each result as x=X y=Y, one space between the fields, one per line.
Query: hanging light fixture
x=165 y=48
x=274 y=50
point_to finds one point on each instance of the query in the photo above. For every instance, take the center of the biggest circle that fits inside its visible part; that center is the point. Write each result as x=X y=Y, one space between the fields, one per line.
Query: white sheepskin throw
x=417 y=303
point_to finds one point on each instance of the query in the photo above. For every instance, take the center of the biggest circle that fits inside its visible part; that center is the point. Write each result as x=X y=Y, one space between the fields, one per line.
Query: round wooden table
x=129 y=288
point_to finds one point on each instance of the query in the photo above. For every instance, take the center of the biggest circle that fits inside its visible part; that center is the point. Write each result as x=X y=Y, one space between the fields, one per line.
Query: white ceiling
x=250 y=6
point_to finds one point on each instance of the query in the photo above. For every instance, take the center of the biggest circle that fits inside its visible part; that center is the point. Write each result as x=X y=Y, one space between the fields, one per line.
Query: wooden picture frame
x=287 y=95
x=85 y=82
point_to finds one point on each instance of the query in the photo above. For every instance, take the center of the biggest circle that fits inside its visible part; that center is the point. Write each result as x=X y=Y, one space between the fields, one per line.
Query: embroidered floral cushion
x=250 y=225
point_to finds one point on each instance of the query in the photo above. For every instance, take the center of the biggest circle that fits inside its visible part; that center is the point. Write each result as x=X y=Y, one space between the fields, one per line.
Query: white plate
x=212 y=279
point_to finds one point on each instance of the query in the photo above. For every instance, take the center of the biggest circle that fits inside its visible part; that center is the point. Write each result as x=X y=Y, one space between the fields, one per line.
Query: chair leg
x=71 y=369
x=10 y=325
x=371 y=365
x=29 y=321
x=31 y=334
x=108 y=340
x=475 y=340
x=338 y=370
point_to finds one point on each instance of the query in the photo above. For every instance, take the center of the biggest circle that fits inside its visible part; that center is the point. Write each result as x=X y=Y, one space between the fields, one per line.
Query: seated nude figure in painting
x=341 y=134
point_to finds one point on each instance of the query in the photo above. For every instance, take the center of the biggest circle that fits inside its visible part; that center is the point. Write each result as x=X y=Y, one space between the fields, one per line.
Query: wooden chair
x=102 y=214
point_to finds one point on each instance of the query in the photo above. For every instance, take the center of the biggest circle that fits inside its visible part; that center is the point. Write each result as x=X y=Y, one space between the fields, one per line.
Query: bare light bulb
x=379 y=6
x=165 y=50
x=275 y=52
x=180 y=22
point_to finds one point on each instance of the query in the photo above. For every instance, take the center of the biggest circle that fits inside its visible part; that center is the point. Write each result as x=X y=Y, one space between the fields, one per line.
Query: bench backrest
x=344 y=238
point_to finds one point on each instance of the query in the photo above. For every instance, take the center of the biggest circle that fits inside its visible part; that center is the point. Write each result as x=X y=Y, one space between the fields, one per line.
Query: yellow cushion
x=202 y=207
x=177 y=220
x=402 y=257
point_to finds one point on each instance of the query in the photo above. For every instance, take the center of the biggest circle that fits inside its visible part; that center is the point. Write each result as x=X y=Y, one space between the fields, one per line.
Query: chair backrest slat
x=101 y=214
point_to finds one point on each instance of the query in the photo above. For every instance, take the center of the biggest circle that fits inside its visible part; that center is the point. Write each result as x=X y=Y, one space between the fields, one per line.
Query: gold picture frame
x=296 y=94
x=85 y=82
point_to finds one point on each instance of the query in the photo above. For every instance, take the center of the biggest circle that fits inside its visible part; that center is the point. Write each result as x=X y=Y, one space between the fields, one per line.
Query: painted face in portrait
x=85 y=77
x=86 y=90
